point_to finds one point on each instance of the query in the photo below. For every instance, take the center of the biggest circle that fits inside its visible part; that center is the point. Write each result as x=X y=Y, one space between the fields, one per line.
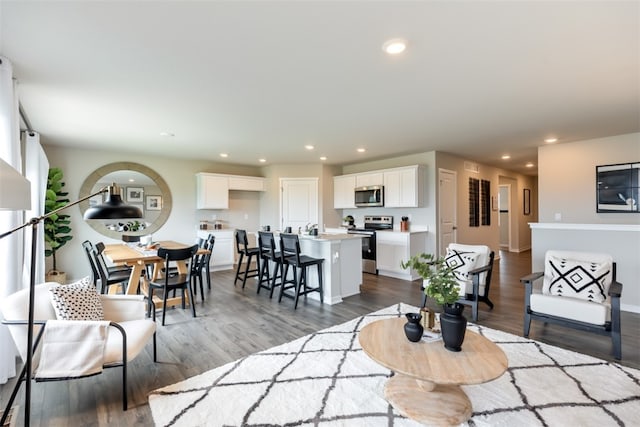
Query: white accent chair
x=128 y=334
x=579 y=290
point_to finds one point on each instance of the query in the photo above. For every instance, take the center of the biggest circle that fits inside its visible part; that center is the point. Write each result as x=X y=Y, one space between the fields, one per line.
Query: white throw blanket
x=71 y=349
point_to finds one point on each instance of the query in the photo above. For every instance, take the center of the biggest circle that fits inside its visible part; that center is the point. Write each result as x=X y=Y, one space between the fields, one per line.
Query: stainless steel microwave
x=369 y=196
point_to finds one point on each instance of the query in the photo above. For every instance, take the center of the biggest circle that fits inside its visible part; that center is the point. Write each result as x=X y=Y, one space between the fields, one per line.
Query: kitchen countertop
x=329 y=237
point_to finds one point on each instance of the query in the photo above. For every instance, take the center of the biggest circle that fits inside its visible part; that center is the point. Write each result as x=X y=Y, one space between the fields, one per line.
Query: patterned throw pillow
x=461 y=263
x=77 y=301
x=578 y=279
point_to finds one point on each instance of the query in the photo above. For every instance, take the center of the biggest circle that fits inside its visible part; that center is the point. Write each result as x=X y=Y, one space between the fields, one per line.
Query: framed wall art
x=618 y=187
x=526 y=193
x=154 y=203
x=135 y=194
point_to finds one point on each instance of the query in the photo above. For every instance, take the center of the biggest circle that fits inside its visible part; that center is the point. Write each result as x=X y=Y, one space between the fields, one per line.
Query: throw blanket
x=325 y=379
x=71 y=349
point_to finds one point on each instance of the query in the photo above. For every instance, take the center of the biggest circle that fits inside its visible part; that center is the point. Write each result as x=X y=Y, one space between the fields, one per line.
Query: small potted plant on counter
x=440 y=284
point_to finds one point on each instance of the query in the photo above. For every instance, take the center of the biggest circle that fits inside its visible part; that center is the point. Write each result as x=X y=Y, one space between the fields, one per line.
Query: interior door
x=447 y=208
x=298 y=202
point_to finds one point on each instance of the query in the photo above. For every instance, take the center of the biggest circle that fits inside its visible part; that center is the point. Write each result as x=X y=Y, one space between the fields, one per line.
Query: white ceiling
x=262 y=79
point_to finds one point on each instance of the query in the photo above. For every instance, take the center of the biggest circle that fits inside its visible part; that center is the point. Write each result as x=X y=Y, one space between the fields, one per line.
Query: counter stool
x=268 y=254
x=242 y=246
x=290 y=257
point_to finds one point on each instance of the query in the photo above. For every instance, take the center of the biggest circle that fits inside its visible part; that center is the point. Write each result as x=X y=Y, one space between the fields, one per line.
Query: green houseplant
x=441 y=285
x=439 y=280
x=56 y=227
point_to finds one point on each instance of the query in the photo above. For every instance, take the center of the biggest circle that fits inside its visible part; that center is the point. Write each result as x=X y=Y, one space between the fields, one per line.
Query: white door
x=298 y=203
x=447 y=210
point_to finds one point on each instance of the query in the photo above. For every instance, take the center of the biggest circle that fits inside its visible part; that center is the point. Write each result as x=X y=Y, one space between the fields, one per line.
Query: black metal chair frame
x=201 y=265
x=290 y=257
x=242 y=246
x=171 y=282
x=610 y=328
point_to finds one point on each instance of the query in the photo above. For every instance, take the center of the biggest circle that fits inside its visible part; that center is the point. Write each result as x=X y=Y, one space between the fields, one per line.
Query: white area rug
x=325 y=379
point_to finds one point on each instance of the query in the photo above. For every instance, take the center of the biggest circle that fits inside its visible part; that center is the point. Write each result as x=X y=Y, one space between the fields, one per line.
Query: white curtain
x=36 y=170
x=11 y=247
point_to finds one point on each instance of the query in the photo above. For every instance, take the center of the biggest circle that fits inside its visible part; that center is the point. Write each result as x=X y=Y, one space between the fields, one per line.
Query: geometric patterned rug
x=325 y=379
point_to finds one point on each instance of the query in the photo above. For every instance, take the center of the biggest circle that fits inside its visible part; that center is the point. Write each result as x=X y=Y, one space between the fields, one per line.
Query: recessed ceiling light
x=361 y=150
x=224 y=155
x=323 y=158
x=394 y=46
x=132 y=180
x=167 y=134
x=551 y=140
x=309 y=147
x=529 y=165
x=506 y=157
x=262 y=160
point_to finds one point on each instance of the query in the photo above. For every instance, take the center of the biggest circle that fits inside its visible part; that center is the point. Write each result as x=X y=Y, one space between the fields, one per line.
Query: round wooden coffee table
x=426 y=384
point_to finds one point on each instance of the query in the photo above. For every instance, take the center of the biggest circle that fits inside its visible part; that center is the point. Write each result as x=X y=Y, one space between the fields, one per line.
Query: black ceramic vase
x=453 y=326
x=413 y=329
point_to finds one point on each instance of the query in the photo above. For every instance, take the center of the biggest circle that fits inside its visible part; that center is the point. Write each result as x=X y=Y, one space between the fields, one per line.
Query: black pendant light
x=113 y=207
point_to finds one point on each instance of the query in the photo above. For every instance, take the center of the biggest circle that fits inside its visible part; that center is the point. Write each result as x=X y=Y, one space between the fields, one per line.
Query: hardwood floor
x=233 y=323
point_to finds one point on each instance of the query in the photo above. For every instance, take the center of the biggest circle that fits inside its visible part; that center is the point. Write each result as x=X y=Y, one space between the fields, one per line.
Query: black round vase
x=413 y=329
x=453 y=326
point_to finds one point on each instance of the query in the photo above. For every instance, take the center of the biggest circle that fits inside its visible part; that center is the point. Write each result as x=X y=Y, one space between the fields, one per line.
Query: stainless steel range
x=368 y=233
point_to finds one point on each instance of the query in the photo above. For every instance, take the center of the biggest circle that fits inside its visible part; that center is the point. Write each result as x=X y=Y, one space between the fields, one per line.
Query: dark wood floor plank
x=233 y=323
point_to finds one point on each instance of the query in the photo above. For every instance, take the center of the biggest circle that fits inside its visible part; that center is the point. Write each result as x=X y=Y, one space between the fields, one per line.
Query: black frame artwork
x=618 y=188
x=526 y=208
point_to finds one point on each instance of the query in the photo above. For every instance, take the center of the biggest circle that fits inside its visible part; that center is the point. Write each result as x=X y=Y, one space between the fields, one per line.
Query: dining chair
x=109 y=277
x=95 y=275
x=290 y=256
x=268 y=255
x=201 y=265
x=172 y=282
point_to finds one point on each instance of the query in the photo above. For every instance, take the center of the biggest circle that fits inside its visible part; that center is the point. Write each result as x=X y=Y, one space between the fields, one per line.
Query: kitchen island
x=342 y=272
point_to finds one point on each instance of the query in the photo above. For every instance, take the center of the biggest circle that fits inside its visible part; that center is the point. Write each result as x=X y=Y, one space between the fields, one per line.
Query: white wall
x=179 y=174
x=567 y=178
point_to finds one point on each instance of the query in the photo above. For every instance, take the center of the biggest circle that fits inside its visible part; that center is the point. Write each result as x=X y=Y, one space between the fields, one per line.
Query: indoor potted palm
x=440 y=284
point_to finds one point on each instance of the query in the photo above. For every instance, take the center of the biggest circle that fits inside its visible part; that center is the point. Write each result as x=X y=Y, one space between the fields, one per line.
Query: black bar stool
x=242 y=246
x=268 y=254
x=290 y=256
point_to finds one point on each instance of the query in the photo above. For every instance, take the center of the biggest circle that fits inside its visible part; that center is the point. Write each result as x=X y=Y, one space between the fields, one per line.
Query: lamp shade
x=15 y=189
x=113 y=207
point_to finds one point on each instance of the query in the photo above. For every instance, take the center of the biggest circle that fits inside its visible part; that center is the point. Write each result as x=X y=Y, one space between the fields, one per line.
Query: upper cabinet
x=403 y=187
x=212 y=189
x=369 y=178
x=343 y=195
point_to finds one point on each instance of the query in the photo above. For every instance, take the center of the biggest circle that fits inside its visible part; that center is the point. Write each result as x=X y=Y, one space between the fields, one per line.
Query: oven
x=368 y=249
x=368 y=233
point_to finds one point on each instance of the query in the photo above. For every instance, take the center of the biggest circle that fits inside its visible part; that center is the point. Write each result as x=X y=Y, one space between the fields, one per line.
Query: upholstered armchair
x=579 y=290
x=126 y=331
x=472 y=266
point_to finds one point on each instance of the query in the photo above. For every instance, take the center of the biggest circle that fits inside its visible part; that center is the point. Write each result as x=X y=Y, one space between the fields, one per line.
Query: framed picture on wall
x=527 y=201
x=618 y=187
x=154 y=203
x=135 y=194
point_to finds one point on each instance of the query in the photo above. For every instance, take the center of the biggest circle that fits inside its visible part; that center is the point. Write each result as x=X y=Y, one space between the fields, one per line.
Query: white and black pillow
x=578 y=279
x=77 y=301
x=461 y=263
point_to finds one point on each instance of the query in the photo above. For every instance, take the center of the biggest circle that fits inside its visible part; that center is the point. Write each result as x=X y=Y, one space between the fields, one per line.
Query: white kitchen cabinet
x=392 y=248
x=224 y=248
x=212 y=191
x=402 y=187
x=369 y=179
x=247 y=183
x=343 y=194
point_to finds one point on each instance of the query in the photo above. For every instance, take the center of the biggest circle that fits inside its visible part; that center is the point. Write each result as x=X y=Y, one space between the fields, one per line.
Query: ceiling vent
x=471 y=167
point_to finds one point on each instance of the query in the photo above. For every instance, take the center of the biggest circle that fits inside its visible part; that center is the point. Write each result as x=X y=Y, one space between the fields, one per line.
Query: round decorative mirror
x=141 y=187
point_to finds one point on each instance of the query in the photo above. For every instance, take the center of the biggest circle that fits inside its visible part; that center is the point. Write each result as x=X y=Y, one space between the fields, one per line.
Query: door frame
x=315 y=181
x=509 y=216
x=454 y=175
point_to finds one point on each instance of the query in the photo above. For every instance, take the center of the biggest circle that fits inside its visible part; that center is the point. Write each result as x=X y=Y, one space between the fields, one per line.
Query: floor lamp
x=12 y=197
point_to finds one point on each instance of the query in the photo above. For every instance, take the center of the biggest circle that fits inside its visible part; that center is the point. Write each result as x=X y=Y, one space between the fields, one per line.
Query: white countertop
x=330 y=237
